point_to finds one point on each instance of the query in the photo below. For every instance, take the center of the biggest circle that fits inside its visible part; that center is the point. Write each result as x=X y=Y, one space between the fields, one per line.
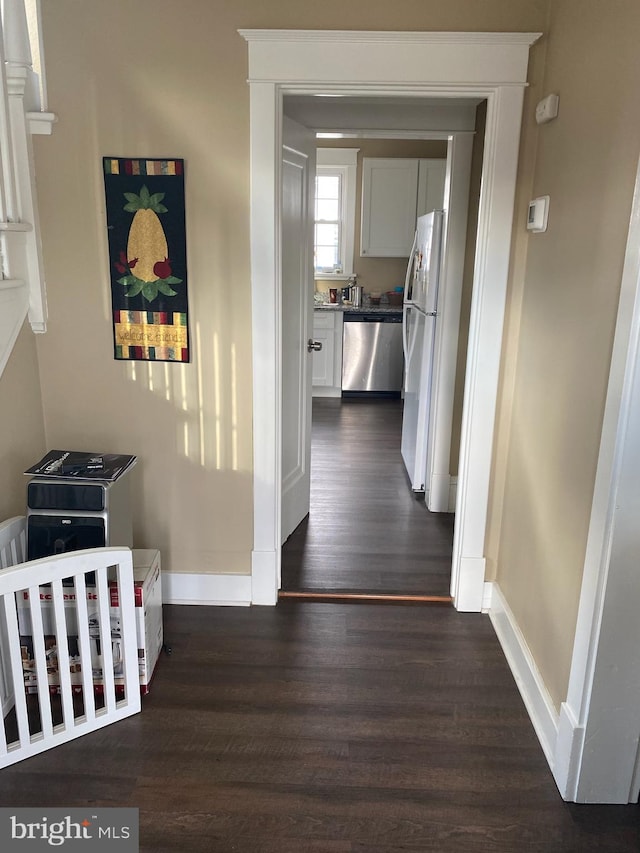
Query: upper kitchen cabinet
x=431 y=175
x=395 y=191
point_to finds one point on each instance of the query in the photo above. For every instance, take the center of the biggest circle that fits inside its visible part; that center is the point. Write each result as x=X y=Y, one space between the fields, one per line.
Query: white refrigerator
x=420 y=312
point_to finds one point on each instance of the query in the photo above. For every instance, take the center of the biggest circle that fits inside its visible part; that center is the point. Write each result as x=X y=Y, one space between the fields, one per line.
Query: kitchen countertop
x=370 y=309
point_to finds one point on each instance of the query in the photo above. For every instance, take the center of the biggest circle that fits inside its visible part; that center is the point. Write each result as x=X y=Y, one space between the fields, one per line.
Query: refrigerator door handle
x=408 y=346
x=404 y=335
x=407 y=278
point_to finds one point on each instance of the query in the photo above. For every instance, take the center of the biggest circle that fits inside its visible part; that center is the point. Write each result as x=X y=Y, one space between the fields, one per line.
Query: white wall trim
x=534 y=693
x=453 y=493
x=445 y=359
x=284 y=63
x=344 y=57
x=406 y=37
x=491 y=271
x=14 y=304
x=326 y=391
x=265 y=576
x=487 y=597
x=218 y=590
x=468 y=590
x=568 y=752
x=41 y=124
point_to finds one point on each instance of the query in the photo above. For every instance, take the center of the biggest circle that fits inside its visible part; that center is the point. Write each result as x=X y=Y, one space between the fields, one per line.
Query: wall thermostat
x=538 y=214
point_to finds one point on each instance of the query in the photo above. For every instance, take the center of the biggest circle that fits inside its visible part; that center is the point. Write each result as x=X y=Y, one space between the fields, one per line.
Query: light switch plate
x=547 y=109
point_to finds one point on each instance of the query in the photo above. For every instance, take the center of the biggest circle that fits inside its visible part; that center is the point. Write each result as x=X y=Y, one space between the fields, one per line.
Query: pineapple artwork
x=147 y=251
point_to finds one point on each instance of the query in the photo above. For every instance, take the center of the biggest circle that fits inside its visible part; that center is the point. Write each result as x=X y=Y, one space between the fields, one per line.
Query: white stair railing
x=22 y=283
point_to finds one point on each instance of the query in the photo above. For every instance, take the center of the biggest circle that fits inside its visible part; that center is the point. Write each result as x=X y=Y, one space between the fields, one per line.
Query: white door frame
x=450 y=65
x=445 y=362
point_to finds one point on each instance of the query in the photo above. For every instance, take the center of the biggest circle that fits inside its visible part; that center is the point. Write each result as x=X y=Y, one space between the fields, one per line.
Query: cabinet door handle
x=314 y=346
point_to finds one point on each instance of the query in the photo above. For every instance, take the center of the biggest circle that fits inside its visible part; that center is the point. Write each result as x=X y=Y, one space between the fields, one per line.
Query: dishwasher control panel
x=371 y=317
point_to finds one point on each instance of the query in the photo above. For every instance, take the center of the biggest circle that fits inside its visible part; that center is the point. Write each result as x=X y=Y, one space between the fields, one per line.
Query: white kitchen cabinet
x=395 y=191
x=327 y=362
x=431 y=175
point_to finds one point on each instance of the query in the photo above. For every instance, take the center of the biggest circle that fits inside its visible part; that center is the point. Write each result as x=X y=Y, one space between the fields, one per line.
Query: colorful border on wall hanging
x=147 y=258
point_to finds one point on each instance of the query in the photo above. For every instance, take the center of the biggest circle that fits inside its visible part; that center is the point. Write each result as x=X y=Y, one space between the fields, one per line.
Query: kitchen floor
x=366 y=531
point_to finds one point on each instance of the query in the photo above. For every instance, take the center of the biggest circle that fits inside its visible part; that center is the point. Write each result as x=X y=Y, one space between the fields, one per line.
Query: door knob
x=313 y=346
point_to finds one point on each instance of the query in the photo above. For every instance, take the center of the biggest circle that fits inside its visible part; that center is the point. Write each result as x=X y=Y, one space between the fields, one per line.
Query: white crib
x=51 y=690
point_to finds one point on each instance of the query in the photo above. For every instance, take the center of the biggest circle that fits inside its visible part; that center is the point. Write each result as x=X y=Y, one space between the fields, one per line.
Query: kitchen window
x=334 y=218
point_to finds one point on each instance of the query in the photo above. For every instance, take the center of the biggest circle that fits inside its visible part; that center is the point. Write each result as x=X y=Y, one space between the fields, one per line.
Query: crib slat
x=17 y=675
x=127 y=612
x=105 y=640
x=66 y=693
x=84 y=647
x=7 y=679
x=40 y=658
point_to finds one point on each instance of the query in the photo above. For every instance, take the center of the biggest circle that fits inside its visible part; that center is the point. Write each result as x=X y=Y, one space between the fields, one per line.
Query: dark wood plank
x=366 y=531
x=332 y=728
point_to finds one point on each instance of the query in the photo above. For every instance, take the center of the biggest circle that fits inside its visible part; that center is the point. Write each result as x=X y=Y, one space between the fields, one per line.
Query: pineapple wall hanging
x=147 y=258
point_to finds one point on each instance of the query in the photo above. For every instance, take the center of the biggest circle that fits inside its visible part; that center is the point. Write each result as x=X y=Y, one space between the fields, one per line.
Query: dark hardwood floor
x=327 y=728
x=366 y=531
x=333 y=728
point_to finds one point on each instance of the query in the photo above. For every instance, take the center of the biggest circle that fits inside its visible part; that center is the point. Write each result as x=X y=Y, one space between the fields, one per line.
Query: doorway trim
x=446 y=65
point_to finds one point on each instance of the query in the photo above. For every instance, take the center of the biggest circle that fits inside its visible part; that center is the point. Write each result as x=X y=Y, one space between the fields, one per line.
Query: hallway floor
x=366 y=531
x=327 y=728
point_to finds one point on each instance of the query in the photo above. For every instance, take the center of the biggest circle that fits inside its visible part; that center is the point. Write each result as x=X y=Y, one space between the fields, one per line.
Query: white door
x=298 y=180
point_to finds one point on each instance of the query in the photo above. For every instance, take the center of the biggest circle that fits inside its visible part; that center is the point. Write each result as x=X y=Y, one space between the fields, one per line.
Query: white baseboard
x=326 y=391
x=487 y=597
x=453 y=493
x=536 y=698
x=219 y=590
x=438 y=496
x=468 y=585
x=569 y=746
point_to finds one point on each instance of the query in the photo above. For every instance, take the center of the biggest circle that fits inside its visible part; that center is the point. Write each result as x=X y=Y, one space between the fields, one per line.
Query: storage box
x=148 y=600
x=149 y=629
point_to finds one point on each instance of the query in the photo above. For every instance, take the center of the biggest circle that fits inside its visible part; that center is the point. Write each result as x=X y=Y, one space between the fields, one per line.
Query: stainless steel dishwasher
x=372 y=359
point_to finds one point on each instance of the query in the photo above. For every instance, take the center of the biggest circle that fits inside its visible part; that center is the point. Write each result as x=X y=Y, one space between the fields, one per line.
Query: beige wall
x=162 y=78
x=586 y=161
x=158 y=79
x=22 y=441
x=381 y=274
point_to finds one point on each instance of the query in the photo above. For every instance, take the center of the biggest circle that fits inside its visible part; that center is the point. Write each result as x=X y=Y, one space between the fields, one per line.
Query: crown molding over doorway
x=402 y=64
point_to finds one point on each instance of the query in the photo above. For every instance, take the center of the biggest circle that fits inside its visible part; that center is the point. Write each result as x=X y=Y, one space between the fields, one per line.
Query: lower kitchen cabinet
x=327 y=363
